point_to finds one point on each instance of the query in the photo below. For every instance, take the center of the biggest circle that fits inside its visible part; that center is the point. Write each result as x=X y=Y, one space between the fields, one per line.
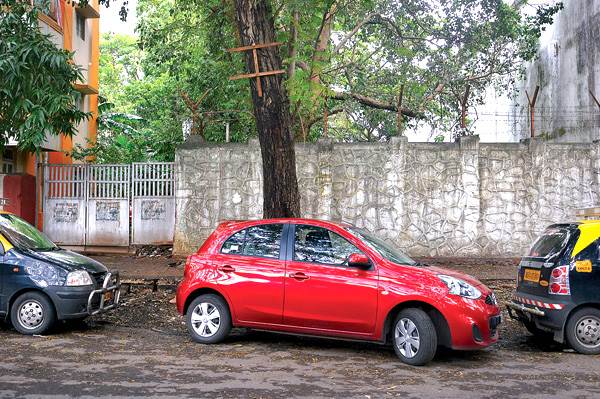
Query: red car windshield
x=383 y=248
x=23 y=235
x=550 y=243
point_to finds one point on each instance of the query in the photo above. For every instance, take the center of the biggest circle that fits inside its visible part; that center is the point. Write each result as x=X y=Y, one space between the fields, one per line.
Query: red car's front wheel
x=414 y=337
x=208 y=319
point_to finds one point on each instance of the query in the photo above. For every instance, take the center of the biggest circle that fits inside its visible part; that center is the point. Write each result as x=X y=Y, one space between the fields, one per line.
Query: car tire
x=583 y=331
x=416 y=325
x=32 y=313
x=206 y=326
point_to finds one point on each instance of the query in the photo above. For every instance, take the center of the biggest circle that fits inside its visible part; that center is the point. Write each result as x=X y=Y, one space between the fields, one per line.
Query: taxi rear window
x=550 y=243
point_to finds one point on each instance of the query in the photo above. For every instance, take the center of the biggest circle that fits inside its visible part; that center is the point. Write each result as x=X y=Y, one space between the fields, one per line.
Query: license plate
x=531 y=275
x=108 y=296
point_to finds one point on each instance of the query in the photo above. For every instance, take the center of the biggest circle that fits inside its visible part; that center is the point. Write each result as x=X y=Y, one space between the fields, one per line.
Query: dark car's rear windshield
x=550 y=243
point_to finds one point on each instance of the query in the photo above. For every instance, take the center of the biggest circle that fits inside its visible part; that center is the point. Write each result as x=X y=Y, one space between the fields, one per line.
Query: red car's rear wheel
x=208 y=319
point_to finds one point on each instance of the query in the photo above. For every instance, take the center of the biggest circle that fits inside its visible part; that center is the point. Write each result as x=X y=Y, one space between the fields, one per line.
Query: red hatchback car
x=331 y=279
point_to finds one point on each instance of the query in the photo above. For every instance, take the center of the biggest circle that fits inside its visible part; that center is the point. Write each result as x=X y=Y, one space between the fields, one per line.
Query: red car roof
x=233 y=222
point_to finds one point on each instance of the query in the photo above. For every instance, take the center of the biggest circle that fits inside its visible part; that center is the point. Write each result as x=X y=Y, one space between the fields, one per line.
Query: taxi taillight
x=559 y=281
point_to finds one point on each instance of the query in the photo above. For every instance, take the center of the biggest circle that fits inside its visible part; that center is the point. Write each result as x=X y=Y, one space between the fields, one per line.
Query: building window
x=8 y=161
x=81 y=102
x=51 y=8
x=80 y=26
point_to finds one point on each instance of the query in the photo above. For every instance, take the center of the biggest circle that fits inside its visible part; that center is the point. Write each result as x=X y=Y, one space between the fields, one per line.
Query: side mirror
x=360 y=261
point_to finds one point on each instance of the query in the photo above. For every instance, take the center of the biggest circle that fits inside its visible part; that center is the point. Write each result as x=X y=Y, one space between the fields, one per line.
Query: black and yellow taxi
x=41 y=283
x=558 y=286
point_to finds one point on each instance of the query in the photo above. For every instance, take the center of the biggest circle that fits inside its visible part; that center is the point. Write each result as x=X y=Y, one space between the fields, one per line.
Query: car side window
x=263 y=240
x=234 y=244
x=319 y=245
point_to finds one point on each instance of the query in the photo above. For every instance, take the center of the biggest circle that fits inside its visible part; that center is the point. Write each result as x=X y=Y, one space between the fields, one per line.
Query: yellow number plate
x=108 y=297
x=583 y=266
x=531 y=275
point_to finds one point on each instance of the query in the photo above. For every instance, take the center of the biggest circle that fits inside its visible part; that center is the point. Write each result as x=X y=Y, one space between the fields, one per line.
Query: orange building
x=76 y=29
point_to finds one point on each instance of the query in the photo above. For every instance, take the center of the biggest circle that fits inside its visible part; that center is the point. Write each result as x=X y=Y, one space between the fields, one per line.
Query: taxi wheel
x=32 y=313
x=414 y=337
x=208 y=319
x=583 y=331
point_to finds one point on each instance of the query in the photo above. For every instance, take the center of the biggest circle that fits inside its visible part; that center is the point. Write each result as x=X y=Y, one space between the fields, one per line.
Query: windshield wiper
x=47 y=249
x=420 y=264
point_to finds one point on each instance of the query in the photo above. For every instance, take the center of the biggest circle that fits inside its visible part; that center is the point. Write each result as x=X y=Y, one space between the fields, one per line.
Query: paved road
x=143 y=350
x=101 y=359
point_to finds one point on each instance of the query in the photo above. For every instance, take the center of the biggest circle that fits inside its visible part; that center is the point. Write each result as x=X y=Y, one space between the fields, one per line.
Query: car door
x=7 y=267
x=321 y=290
x=253 y=267
x=3 y=266
x=584 y=275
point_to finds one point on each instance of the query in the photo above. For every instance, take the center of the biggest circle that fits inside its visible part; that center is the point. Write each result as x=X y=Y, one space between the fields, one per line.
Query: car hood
x=69 y=260
x=452 y=273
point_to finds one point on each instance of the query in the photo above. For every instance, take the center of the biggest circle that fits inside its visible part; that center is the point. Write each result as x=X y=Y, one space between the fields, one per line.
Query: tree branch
x=374 y=103
x=292 y=51
x=354 y=31
x=318 y=118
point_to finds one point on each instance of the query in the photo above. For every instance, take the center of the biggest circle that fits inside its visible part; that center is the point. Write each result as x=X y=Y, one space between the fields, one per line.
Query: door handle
x=299 y=276
x=227 y=269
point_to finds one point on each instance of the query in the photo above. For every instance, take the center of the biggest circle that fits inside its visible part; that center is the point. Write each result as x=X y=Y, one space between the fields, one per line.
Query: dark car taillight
x=559 y=281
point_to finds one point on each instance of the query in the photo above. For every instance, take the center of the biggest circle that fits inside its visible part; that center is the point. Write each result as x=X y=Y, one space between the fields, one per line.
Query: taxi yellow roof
x=590 y=232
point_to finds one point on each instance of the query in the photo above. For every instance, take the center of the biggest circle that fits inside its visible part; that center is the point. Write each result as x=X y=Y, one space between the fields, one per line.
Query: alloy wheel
x=206 y=319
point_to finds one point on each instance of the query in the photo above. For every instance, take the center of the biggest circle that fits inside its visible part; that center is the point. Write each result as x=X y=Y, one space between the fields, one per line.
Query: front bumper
x=475 y=325
x=109 y=295
x=80 y=302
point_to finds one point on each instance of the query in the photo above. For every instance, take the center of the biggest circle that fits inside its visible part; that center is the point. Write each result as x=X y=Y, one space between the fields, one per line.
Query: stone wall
x=465 y=198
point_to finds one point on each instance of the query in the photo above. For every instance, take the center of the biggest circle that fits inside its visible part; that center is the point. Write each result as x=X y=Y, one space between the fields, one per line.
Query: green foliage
x=120 y=66
x=36 y=93
x=126 y=138
x=433 y=49
x=187 y=41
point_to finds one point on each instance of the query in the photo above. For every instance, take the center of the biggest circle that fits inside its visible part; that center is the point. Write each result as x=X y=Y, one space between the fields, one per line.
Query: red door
x=252 y=274
x=321 y=291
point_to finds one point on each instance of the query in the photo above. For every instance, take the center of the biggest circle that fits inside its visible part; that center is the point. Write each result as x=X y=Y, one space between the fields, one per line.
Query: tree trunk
x=271 y=111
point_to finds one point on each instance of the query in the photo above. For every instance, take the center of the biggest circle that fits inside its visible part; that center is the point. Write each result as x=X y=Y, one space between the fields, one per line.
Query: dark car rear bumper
x=546 y=314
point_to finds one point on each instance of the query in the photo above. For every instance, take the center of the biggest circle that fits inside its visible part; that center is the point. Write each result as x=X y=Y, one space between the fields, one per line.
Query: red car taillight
x=559 y=281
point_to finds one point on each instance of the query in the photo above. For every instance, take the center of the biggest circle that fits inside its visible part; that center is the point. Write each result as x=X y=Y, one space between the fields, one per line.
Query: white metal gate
x=108 y=188
x=109 y=205
x=65 y=203
x=153 y=203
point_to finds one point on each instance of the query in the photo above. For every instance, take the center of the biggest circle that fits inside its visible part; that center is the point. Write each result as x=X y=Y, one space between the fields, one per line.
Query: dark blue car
x=41 y=283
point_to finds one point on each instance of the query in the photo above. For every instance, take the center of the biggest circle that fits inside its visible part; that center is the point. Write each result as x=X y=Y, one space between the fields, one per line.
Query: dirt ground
x=143 y=349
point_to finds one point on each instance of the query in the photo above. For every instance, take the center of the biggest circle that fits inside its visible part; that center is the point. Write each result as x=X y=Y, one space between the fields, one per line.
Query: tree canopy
x=373 y=68
x=37 y=97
